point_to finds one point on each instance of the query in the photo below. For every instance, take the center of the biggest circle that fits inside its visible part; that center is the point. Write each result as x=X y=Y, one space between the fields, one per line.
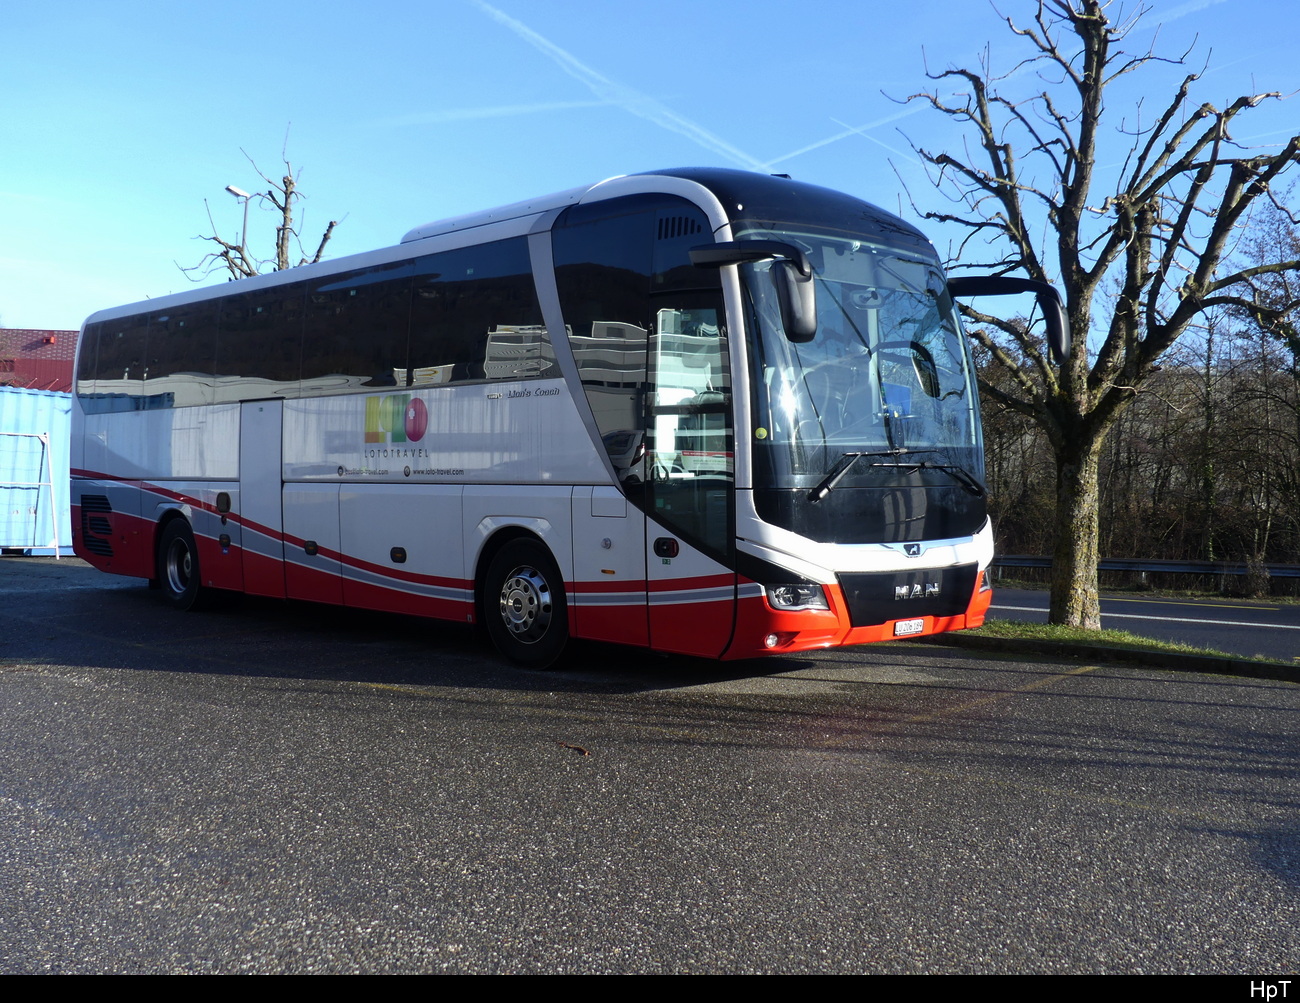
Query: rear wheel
x=524 y=605
x=178 y=567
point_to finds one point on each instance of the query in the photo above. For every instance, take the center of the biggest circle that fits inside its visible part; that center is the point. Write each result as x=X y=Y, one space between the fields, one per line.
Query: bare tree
x=281 y=197
x=1157 y=240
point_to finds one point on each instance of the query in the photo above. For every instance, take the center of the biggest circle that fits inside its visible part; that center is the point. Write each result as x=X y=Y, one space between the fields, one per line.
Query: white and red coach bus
x=701 y=411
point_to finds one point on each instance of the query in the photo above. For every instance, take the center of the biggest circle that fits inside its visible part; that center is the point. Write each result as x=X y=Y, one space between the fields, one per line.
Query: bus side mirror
x=798 y=301
x=792 y=275
x=1049 y=302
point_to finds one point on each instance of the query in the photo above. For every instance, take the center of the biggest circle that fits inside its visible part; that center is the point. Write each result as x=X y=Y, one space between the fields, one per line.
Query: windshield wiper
x=846 y=462
x=959 y=474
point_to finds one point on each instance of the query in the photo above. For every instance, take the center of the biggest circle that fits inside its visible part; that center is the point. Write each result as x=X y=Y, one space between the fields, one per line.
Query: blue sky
x=117 y=119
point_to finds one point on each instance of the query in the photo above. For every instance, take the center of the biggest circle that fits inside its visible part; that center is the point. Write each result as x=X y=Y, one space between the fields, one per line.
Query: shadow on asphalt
x=66 y=613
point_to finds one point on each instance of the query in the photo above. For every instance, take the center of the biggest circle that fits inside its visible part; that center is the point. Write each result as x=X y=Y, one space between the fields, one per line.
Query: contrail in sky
x=1182 y=10
x=492 y=111
x=850 y=130
x=625 y=97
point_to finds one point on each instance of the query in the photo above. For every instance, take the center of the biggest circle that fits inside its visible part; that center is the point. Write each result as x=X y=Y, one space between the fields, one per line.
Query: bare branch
x=1157 y=242
x=320 y=250
x=281 y=195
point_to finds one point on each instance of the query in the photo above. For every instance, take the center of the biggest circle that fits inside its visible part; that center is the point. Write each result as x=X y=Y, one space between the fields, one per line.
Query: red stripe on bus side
x=364 y=595
x=699 y=582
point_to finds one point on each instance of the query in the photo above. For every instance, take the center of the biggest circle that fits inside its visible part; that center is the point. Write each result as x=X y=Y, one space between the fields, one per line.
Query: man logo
x=930 y=590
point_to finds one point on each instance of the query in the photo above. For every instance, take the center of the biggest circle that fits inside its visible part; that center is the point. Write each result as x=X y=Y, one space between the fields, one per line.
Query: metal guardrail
x=1156 y=567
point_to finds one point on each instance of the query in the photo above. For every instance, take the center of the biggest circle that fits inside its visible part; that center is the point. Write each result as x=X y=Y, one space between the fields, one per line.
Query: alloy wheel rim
x=526 y=604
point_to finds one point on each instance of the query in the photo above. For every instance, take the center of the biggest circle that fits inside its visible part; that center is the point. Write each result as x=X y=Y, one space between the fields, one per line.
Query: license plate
x=904 y=627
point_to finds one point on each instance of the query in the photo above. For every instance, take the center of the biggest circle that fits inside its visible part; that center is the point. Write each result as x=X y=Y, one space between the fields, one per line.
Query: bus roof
x=746 y=198
x=756 y=199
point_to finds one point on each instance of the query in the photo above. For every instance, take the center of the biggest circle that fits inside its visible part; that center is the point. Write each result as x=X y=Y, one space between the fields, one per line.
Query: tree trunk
x=1074 y=601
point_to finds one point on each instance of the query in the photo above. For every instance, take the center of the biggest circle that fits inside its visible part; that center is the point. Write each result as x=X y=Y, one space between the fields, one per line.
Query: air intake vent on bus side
x=678 y=226
x=96 y=530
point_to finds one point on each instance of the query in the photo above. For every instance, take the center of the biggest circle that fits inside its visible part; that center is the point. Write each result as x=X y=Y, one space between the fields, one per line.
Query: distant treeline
x=1203 y=465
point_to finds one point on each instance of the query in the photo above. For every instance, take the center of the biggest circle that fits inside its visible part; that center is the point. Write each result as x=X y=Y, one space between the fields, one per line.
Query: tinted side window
x=603 y=264
x=356 y=329
x=118 y=365
x=87 y=357
x=260 y=342
x=475 y=316
x=463 y=315
x=181 y=356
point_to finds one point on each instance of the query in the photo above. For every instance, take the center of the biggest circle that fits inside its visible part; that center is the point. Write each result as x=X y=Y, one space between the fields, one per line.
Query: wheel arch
x=521 y=599
x=167 y=515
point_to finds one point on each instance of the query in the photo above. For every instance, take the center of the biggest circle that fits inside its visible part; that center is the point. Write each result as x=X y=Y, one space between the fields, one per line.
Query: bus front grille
x=896 y=595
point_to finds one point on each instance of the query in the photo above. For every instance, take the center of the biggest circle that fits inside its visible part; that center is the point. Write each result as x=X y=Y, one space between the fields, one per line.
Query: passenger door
x=648 y=335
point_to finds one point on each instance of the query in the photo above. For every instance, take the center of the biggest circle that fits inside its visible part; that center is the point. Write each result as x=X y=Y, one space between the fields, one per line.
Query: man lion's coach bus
x=700 y=411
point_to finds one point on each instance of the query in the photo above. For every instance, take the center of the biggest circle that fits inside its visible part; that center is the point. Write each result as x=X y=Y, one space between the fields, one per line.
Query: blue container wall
x=30 y=512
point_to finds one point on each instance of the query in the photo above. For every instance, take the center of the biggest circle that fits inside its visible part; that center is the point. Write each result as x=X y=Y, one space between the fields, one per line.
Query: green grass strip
x=1020 y=630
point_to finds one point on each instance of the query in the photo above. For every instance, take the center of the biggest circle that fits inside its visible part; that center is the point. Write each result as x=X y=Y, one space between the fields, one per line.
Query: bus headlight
x=793 y=597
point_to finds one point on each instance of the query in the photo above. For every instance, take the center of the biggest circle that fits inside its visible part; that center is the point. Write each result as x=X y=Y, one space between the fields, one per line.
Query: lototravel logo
x=396 y=418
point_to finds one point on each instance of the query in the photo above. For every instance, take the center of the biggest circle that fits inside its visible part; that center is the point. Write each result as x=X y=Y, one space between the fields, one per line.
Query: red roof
x=37 y=359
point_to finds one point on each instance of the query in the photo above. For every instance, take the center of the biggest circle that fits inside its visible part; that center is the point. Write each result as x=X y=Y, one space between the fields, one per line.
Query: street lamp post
x=243 y=196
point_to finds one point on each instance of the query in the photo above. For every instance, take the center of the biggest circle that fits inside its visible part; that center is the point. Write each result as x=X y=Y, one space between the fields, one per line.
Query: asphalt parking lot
x=288 y=788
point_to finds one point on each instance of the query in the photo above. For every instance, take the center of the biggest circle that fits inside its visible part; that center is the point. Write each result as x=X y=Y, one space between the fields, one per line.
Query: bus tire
x=524 y=606
x=178 y=567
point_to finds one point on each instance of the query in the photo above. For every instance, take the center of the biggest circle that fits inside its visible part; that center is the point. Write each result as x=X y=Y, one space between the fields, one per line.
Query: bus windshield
x=884 y=386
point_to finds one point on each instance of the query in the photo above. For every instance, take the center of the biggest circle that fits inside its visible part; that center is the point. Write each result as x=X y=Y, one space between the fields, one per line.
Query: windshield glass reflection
x=887 y=374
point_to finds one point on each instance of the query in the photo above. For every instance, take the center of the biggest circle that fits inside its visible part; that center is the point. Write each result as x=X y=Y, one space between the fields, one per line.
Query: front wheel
x=524 y=605
x=178 y=567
